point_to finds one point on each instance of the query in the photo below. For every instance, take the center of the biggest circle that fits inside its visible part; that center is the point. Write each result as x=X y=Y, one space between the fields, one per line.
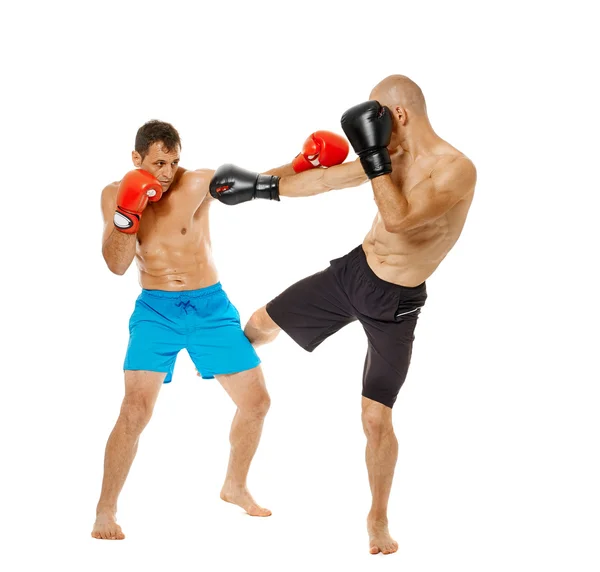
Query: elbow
x=118 y=269
x=401 y=224
x=393 y=226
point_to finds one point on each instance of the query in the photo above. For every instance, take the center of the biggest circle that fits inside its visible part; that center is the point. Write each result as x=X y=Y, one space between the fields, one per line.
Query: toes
x=108 y=534
x=117 y=534
x=390 y=548
x=383 y=548
x=256 y=510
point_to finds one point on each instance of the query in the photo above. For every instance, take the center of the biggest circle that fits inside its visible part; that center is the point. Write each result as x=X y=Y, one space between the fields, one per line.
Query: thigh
x=312 y=309
x=154 y=338
x=388 y=358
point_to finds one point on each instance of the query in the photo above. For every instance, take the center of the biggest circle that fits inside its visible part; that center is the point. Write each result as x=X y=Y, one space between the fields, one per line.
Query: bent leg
x=309 y=311
x=248 y=391
x=141 y=391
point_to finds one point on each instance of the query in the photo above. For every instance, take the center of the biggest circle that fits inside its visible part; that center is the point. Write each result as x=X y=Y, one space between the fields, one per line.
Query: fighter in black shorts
x=423 y=188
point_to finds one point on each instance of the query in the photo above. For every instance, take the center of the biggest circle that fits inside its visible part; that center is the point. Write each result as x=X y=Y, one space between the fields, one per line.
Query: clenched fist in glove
x=368 y=127
x=232 y=185
x=135 y=190
x=321 y=149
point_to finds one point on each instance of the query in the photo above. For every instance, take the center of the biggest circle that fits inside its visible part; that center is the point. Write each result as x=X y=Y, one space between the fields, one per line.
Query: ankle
x=377 y=517
x=232 y=483
x=106 y=509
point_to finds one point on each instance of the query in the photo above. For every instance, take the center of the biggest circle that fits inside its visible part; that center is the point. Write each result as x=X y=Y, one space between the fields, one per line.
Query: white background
x=498 y=421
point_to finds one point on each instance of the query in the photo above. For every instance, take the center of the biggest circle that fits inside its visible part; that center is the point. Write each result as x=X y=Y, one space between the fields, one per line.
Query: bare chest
x=176 y=218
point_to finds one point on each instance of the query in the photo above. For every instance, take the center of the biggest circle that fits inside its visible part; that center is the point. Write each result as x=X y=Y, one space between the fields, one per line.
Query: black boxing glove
x=232 y=185
x=368 y=127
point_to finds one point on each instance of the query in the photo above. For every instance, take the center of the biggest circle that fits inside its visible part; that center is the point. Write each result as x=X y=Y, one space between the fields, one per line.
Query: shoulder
x=110 y=191
x=198 y=177
x=108 y=201
x=198 y=180
x=456 y=172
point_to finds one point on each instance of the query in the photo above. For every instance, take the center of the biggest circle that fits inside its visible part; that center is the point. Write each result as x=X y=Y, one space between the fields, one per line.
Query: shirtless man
x=182 y=304
x=423 y=188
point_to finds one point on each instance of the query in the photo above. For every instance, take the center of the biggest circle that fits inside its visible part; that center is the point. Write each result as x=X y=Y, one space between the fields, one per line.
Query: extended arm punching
x=302 y=178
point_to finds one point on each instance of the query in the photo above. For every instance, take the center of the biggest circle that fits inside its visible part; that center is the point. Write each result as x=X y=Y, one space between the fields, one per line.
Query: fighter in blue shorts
x=158 y=214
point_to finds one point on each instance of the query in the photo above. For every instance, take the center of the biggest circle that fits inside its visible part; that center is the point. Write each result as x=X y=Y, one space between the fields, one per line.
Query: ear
x=137 y=159
x=400 y=114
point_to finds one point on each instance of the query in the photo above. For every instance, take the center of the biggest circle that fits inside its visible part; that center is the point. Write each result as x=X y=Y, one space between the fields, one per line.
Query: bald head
x=399 y=90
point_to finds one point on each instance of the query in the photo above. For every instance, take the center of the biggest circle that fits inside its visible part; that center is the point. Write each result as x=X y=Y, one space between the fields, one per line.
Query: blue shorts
x=203 y=321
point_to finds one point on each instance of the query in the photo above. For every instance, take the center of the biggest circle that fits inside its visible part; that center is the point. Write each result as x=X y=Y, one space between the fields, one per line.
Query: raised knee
x=261 y=322
x=136 y=411
x=254 y=321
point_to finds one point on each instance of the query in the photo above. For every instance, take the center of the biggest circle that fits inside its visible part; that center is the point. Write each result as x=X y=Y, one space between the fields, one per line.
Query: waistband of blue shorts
x=200 y=292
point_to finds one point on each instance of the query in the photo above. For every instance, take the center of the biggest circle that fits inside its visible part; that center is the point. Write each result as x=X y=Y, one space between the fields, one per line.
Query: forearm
x=118 y=251
x=391 y=202
x=283 y=171
x=317 y=181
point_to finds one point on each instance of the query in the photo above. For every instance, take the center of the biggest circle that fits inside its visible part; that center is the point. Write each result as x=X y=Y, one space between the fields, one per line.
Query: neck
x=418 y=139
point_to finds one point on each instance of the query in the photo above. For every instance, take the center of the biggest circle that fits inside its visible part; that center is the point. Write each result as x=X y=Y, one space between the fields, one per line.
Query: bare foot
x=379 y=537
x=106 y=527
x=240 y=496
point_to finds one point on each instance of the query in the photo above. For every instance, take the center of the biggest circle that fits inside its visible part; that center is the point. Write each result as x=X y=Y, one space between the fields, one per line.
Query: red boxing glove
x=136 y=189
x=321 y=149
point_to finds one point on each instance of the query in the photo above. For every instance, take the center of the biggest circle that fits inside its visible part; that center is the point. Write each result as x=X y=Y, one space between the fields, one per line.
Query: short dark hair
x=154 y=131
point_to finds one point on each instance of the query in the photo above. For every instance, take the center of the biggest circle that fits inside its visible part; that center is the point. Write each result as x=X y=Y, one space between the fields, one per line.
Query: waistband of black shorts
x=359 y=256
x=174 y=294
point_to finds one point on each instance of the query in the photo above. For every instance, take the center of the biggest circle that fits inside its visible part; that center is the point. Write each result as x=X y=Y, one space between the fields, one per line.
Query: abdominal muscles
x=176 y=260
x=410 y=257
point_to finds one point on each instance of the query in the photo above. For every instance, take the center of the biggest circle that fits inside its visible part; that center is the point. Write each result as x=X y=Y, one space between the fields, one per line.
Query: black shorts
x=320 y=305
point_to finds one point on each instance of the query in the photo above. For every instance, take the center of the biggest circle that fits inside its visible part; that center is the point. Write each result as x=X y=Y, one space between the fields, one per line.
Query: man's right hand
x=232 y=185
x=136 y=189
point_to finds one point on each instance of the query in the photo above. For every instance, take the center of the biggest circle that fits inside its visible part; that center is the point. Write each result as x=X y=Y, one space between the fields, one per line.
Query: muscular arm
x=450 y=181
x=283 y=171
x=118 y=248
x=316 y=181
